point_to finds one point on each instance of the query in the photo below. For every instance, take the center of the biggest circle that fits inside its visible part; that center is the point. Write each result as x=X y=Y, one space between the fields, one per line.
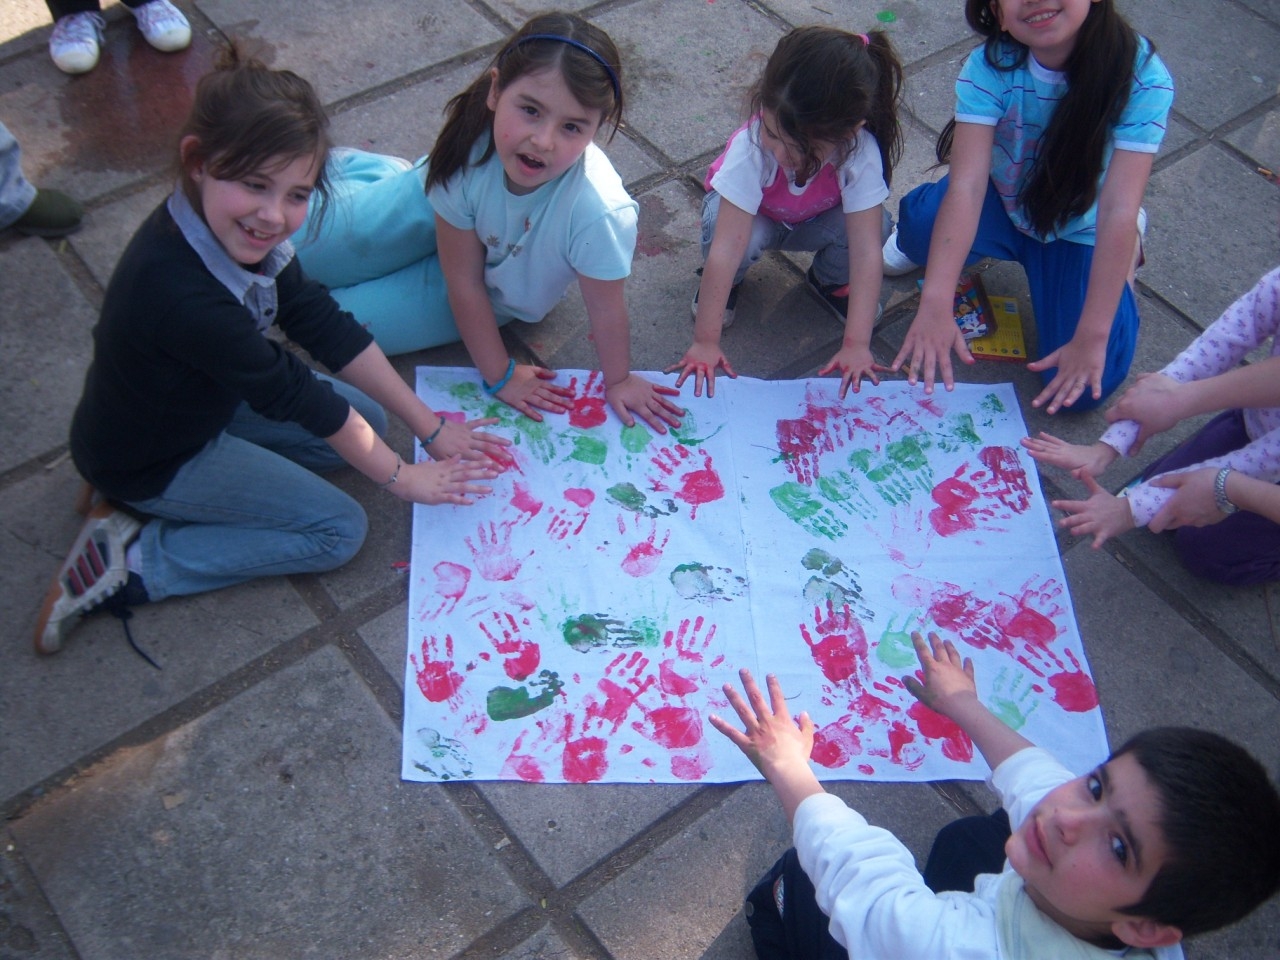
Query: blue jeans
x=376 y=252
x=1057 y=273
x=16 y=192
x=824 y=234
x=251 y=505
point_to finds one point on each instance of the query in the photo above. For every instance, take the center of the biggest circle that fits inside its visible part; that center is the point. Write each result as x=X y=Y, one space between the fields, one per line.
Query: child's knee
x=1209 y=555
x=343 y=533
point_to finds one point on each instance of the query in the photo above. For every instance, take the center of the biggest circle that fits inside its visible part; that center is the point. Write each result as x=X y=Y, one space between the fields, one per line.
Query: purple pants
x=1243 y=549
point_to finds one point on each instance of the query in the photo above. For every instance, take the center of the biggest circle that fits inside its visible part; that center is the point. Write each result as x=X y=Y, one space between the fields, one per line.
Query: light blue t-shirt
x=1019 y=104
x=583 y=222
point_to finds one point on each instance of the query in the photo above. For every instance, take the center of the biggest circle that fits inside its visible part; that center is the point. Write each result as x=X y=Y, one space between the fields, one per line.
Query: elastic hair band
x=613 y=77
x=866 y=40
x=491 y=390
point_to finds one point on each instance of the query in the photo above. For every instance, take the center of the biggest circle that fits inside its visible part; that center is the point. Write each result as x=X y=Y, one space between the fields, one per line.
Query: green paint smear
x=636 y=438
x=588 y=449
x=512 y=703
x=820 y=592
x=991 y=403
x=886 y=16
x=648 y=630
x=627 y=496
x=588 y=631
x=895 y=649
x=686 y=433
x=794 y=500
x=819 y=559
x=958 y=432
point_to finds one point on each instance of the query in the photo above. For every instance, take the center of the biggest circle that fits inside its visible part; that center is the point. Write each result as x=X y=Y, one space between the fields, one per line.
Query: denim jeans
x=16 y=192
x=824 y=234
x=250 y=504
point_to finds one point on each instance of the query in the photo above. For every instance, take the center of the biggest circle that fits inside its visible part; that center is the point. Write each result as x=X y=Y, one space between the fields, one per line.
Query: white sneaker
x=76 y=42
x=895 y=261
x=163 y=25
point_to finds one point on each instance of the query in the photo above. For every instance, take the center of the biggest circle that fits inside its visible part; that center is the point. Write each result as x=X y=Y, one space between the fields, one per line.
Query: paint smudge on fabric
x=698 y=486
x=628 y=497
x=447 y=758
x=956 y=744
x=514 y=703
x=591 y=631
x=698 y=581
x=437 y=679
x=835 y=744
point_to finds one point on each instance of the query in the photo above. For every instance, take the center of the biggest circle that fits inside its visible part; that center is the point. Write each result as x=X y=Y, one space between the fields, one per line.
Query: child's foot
x=75 y=43
x=163 y=25
x=835 y=296
x=51 y=214
x=729 y=308
x=93 y=574
x=896 y=263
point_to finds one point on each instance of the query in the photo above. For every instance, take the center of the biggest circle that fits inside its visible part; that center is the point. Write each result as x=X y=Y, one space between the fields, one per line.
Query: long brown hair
x=538 y=45
x=821 y=83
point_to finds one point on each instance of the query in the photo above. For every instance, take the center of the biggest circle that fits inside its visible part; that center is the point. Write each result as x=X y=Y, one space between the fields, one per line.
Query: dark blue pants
x=796 y=929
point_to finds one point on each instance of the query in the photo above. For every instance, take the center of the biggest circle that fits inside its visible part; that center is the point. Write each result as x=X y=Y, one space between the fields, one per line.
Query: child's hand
x=1080 y=364
x=1154 y=402
x=1193 y=503
x=701 y=360
x=772 y=740
x=854 y=363
x=648 y=400
x=529 y=391
x=445 y=481
x=467 y=441
x=948 y=678
x=927 y=348
x=1092 y=459
x=1102 y=516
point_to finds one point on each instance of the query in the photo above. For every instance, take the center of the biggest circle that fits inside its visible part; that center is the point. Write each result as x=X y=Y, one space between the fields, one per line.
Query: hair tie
x=613 y=77
x=866 y=40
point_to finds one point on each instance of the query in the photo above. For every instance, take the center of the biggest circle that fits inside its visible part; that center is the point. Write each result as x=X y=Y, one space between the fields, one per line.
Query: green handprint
x=636 y=438
x=795 y=500
x=840 y=489
x=900 y=472
x=512 y=703
x=589 y=631
x=589 y=449
x=991 y=407
x=894 y=649
x=837 y=584
x=628 y=497
x=957 y=432
x=1009 y=698
x=448 y=755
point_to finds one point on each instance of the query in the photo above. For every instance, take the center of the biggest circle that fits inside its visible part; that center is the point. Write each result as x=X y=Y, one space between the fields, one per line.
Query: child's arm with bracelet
x=946 y=684
x=728 y=246
x=1198 y=496
x=627 y=392
x=1081 y=361
x=525 y=387
x=371 y=372
x=448 y=481
x=933 y=333
x=854 y=360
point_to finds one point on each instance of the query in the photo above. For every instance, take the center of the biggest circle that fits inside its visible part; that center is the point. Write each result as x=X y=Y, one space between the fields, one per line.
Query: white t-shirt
x=750 y=178
x=583 y=222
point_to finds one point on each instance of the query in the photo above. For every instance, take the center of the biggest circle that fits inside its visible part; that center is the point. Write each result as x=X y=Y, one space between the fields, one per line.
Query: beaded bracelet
x=434 y=433
x=395 y=476
x=506 y=377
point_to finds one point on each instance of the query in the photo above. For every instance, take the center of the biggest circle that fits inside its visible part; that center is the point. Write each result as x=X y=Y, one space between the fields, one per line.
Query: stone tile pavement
x=244 y=802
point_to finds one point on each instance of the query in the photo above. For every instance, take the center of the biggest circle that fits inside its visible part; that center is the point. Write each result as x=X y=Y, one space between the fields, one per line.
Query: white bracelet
x=1220 y=492
x=395 y=476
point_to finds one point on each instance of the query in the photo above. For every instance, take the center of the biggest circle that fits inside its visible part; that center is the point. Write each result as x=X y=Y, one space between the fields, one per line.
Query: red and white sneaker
x=92 y=574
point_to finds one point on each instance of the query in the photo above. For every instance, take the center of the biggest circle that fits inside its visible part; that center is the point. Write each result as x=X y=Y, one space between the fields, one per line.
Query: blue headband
x=613 y=77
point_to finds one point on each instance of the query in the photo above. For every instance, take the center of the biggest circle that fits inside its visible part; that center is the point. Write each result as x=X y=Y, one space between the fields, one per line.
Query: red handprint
x=958 y=611
x=589 y=409
x=437 y=679
x=956 y=744
x=492 y=555
x=686 y=644
x=1008 y=480
x=521 y=657
x=835 y=744
x=1030 y=616
x=823 y=426
x=841 y=651
x=565 y=521
x=623 y=682
x=451 y=583
x=522 y=499
x=996 y=492
x=643 y=558
x=698 y=486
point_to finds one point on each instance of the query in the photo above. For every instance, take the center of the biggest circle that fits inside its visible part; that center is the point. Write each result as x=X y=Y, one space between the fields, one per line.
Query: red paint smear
x=588 y=412
x=1032 y=626
x=1006 y=469
x=956 y=744
x=835 y=744
x=689 y=768
x=931 y=405
x=699 y=487
x=1074 y=692
x=870 y=707
x=866 y=768
x=673 y=727
x=672 y=683
x=527 y=657
x=953 y=498
x=899 y=737
x=524 y=500
x=451 y=579
x=580 y=496
x=585 y=760
x=437 y=679
x=642 y=559
x=523 y=766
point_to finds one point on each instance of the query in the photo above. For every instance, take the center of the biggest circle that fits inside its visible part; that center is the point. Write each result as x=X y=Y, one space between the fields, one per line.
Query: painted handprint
x=645 y=555
x=1007 y=480
x=798 y=504
x=515 y=703
x=568 y=521
x=589 y=409
x=588 y=448
x=836 y=743
x=625 y=678
x=898 y=472
x=698 y=484
x=628 y=497
x=697 y=581
x=841 y=648
x=833 y=582
x=451 y=581
x=592 y=631
x=1073 y=689
x=437 y=679
x=1031 y=615
x=520 y=656
x=492 y=552
x=1013 y=697
x=684 y=669
x=956 y=432
x=956 y=744
x=962 y=506
x=964 y=615
x=445 y=758
x=823 y=426
x=840 y=489
x=523 y=499
x=894 y=649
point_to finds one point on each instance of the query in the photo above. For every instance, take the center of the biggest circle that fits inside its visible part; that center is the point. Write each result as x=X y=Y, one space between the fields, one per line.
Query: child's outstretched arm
x=626 y=392
x=1083 y=358
x=946 y=685
x=728 y=246
x=933 y=334
x=1102 y=516
x=371 y=372
x=1092 y=459
x=1195 y=504
x=854 y=359
x=528 y=388
x=778 y=746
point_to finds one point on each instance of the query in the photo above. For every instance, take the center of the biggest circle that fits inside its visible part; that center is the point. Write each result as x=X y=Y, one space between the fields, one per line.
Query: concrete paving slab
x=109 y=228
x=381 y=42
x=917 y=28
x=543 y=945
x=319 y=852
x=47 y=350
x=1259 y=140
x=28 y=926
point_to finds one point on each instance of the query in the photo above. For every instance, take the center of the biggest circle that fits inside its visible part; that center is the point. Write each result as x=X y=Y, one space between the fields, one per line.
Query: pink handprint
x=492 y=555
x=1008 y=480
x=1030 y=616
x=589 y=409
x=958 y=611
x=521 y=657
x=996 y=492
x=643 y=558
x=841 y=650
x=687 y=645
x=437 y=679
x=451 y=583
x=523 y=499
x=698 y=486
x=623 y=682
x=823 y=426
x=567 y=522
